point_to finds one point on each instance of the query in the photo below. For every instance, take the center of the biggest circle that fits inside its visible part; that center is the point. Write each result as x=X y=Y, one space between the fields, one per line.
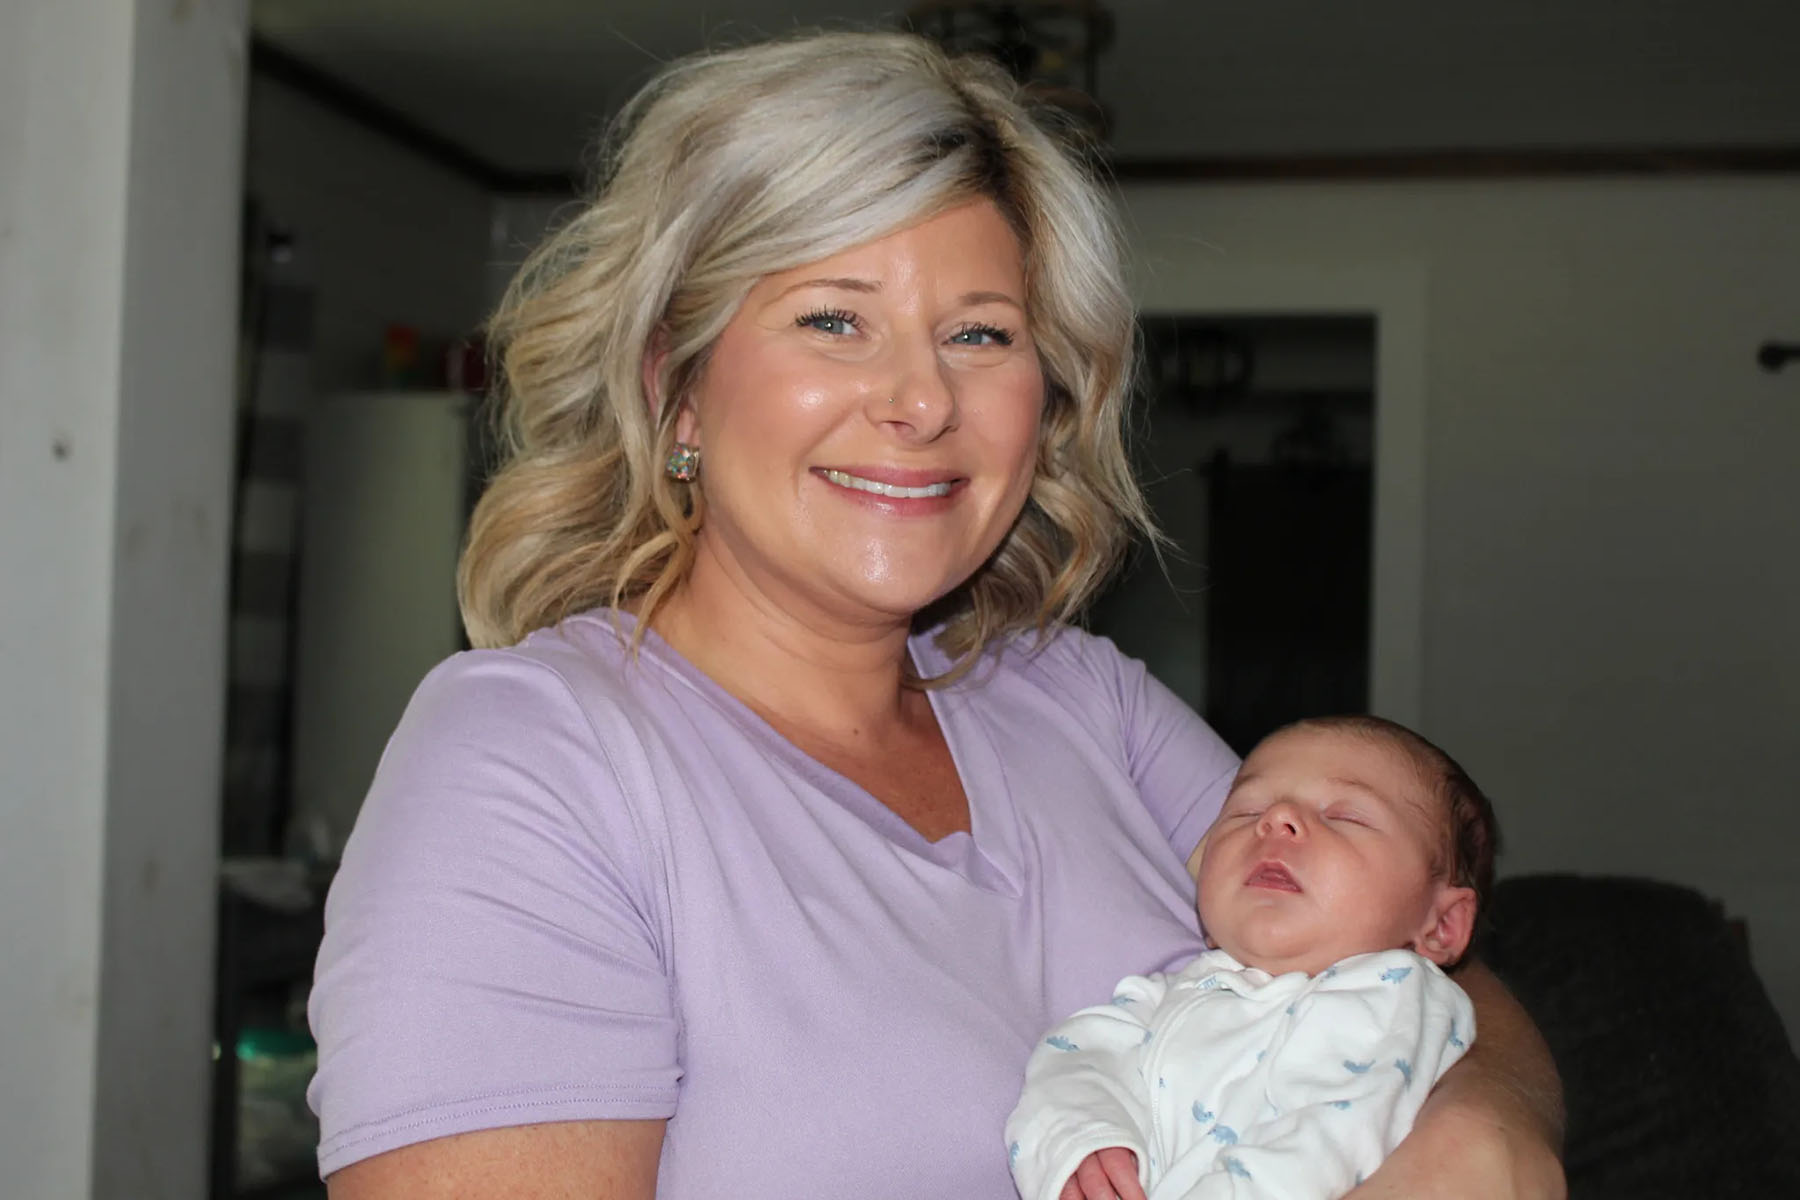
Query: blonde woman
x=783 y=810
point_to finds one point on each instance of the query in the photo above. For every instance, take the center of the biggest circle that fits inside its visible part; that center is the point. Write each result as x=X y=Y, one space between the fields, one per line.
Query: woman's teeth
x=887 y=489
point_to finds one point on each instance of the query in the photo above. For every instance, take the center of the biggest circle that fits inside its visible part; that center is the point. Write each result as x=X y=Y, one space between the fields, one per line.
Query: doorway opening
x=1257 y=446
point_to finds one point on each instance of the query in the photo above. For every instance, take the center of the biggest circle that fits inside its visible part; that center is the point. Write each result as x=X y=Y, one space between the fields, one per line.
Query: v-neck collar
x=987 y=855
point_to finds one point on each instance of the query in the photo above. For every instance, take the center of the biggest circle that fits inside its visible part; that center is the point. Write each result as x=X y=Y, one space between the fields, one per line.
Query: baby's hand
x=1109 y=1174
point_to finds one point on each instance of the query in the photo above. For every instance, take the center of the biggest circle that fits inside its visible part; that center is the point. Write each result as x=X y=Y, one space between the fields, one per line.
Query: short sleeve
x=1181 y=767
x=494 y=943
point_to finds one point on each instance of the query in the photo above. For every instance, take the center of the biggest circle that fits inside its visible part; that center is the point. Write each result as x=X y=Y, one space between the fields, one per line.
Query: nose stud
x=890 y=399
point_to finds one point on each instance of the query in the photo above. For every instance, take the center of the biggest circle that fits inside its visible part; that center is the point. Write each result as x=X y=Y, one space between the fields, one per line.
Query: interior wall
x=1299 y=77
x=62 y=180
x=520 y=223
x=1611 y=504
x=383 y=235
x=120 y=133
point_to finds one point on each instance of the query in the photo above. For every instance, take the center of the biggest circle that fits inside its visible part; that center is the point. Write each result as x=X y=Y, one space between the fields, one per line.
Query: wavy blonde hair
x=733 y=165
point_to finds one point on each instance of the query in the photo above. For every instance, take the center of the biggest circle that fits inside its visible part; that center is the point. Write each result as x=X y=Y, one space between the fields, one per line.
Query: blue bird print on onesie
x=1454 y=1040
x=1395 y=974
x=1358 y=1068
x=1234 y=1167
x=1202 y=1115
x=1405 y=1069
x=1059 y=1042
x=1225 y=1135
x=1340 y=1105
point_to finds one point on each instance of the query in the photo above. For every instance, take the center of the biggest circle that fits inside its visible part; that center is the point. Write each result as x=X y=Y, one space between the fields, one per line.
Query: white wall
x=119 y=166
x=1611 y=501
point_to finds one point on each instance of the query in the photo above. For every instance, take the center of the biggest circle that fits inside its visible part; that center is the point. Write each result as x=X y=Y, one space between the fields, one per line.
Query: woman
x=759 y=864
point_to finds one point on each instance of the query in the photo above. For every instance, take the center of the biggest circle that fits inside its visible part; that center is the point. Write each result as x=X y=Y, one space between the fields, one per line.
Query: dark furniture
x=1678 y=1076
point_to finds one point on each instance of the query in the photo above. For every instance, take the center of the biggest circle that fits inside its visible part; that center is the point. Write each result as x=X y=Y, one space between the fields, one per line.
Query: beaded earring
x=684 y=463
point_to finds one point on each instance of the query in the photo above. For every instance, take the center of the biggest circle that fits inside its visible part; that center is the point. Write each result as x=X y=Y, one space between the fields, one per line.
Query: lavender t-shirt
x=585 y=887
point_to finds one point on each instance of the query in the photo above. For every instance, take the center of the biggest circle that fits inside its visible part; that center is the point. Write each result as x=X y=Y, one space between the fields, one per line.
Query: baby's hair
x=1474 y=835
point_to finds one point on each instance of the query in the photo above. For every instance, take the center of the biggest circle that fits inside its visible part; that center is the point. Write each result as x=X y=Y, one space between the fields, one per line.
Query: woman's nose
x=920 y=402
x=1281 y=819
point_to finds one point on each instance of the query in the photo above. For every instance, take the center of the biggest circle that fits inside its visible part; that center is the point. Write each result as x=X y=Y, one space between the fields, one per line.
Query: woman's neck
x=833 y=678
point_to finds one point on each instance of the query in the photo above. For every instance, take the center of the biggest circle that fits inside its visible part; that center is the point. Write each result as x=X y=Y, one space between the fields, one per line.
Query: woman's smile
x=892 y=483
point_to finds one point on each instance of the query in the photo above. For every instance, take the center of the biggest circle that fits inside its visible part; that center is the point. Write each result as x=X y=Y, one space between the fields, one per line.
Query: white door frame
x=1394 y=294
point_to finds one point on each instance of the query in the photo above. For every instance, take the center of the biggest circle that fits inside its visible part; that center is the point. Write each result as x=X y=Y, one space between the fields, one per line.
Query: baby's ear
x=1448 y=926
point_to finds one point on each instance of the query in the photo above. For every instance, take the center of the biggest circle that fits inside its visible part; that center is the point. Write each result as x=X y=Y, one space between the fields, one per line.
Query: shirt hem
x=422 y=1125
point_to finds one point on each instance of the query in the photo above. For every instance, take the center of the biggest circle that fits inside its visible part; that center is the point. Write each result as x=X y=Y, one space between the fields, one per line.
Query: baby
x=1343 y=874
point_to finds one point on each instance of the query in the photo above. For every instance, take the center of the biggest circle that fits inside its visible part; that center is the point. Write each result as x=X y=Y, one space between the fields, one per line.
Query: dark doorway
x=1256 y=447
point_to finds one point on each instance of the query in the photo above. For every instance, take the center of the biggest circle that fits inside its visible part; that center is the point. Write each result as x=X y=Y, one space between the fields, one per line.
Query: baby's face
x=1324 y=849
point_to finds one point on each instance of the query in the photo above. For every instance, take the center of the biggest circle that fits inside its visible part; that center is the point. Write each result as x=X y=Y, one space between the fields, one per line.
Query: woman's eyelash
x=999 y=335
x=818 y=316
x=977 y=333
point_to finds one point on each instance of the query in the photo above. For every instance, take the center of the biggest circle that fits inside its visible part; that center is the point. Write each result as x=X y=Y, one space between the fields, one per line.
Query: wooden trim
x=1463 y=164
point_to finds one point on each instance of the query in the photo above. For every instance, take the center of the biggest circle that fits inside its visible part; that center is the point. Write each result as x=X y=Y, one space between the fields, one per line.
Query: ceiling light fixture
x=1051 y=46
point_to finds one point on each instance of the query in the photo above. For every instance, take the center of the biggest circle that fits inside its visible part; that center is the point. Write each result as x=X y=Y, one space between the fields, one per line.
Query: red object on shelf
x=399 y=356
x=466 y=365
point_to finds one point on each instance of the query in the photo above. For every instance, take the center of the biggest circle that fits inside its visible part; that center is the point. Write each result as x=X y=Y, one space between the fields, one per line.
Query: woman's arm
x=570 y=1160
x=1493 y=1125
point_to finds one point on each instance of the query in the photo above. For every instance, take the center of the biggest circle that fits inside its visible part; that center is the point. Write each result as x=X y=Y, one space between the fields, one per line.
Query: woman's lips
x=1274 y=876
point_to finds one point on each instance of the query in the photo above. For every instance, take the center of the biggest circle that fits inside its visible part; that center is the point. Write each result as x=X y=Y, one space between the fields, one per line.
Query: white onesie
x=1228 y=1082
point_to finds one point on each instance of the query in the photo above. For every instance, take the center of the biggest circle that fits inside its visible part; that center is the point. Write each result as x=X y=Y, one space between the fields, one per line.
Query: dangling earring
x=684 y=463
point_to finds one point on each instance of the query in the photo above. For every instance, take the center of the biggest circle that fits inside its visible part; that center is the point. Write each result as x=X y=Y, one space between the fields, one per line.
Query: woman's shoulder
x=587 y=657
x=1061 y=655
x=575 y=690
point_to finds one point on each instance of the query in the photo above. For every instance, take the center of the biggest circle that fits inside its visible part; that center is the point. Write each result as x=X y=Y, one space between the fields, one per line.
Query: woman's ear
x=656 y=355
x=1448 y=926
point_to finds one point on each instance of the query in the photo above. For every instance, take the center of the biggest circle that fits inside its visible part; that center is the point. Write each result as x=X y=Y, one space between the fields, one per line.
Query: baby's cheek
x=1202 y=903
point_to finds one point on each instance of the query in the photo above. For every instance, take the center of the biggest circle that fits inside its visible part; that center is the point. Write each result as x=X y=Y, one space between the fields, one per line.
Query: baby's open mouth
x=1274 y=876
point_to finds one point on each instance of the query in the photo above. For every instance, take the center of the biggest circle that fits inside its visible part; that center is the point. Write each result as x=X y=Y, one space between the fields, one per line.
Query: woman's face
x=868 y=423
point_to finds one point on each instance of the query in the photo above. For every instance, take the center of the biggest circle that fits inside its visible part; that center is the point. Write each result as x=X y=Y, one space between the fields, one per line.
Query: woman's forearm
x=1509 y=1068
x=1493 y=1125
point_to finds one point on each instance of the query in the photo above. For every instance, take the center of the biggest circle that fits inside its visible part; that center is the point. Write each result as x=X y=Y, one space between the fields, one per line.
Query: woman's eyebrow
x=845 y=284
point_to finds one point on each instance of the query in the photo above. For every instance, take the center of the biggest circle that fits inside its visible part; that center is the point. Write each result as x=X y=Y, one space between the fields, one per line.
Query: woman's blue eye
x=828 y=320
x=982 y=335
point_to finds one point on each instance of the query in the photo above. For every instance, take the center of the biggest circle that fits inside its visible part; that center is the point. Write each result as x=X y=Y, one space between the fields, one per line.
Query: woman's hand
x=1109 y=1174
x=1493 y=1125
